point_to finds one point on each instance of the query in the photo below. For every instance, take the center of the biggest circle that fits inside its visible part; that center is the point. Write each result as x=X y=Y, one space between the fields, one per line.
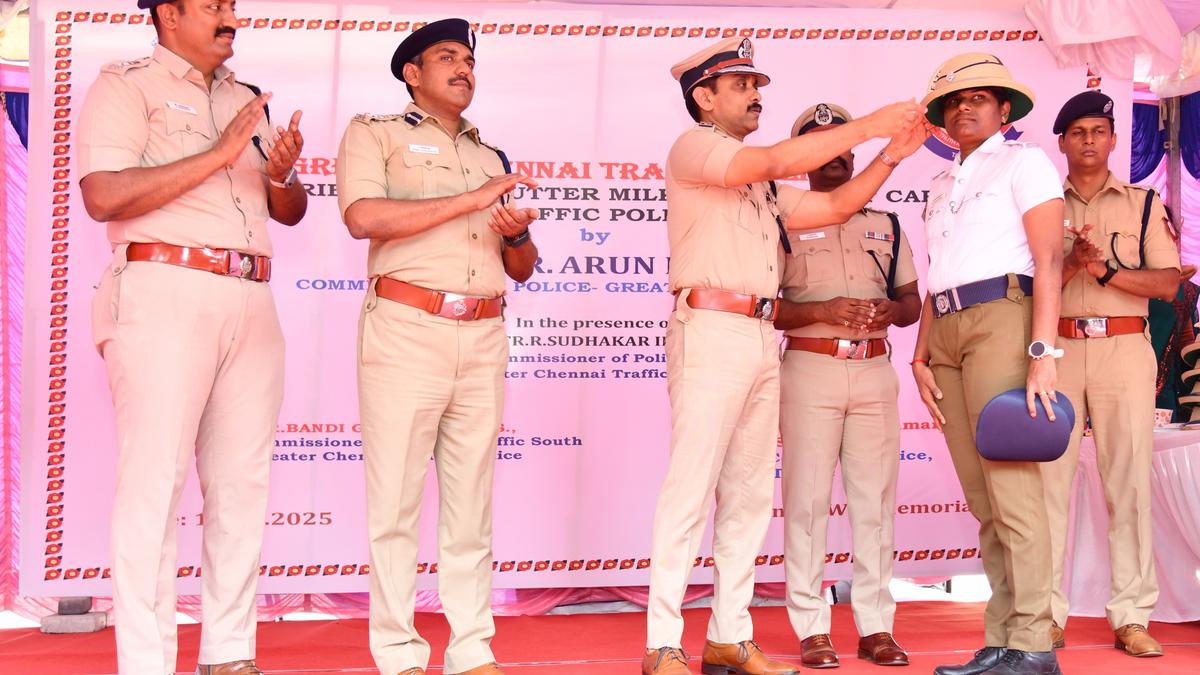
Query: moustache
x=460 y=79
x=226 y=30
x=754 y=107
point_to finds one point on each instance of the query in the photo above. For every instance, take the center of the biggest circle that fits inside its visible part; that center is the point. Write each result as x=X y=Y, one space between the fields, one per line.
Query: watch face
x=1037 y=349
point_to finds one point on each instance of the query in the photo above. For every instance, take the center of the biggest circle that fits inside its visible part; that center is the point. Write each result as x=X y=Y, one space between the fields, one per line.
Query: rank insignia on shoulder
x=122 y=67
x=706 y=125
x=413 y=118
x=879 y=236
x=373 y=117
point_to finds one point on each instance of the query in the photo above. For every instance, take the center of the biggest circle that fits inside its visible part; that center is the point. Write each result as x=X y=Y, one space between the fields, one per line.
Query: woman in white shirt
x=994 y=229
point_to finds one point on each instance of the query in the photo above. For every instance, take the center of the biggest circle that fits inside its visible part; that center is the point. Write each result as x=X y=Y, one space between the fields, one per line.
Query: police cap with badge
x=731 y=55
x=820 y=117
x=1085 y=104
x=445 y=30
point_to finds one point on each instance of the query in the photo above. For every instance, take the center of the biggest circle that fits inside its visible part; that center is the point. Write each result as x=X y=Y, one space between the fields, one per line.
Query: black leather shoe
x=1017 y=662
x=985 y=659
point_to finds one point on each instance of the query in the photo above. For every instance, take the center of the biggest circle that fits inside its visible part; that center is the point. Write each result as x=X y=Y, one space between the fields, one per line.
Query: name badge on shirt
x=182 y=107
x=424 y=149
x=810 y=236
x=879 y=236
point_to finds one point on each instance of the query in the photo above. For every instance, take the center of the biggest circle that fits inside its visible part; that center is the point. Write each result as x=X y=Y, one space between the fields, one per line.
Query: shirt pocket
x=815 y=259
x=876 y=260
x=188 y=131
x=436 y=172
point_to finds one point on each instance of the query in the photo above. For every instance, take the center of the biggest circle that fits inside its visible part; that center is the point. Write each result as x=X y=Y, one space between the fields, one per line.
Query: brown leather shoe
x=485 y=669
x=231 y=668
x=881 y=650
x=1135 y=641
x=665 y=661
x=742 y=658
x=1058 y=636
x=817 y=651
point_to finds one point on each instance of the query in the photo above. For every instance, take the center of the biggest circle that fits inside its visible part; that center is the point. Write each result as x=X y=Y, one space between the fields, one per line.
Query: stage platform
x=609 y=644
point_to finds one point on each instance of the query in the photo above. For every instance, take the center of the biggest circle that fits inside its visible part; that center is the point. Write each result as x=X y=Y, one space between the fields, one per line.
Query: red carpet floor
x=592 y=644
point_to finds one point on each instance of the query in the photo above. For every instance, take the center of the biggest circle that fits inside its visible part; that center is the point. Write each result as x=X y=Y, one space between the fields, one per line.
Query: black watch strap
x=516 y=241
x=1103 y=281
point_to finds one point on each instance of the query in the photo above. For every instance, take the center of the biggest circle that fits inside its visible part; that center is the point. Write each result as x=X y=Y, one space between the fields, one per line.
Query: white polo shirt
x=973 y=223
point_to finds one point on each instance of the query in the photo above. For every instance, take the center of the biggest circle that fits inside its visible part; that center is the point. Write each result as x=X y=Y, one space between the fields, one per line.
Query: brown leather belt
x=737 y=303
x=216 y=260
x=449 y=305
x=1099 y=326
x=840 y=349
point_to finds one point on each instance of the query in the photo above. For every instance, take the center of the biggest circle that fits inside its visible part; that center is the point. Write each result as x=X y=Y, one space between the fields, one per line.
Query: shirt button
x=764 y=237
x=428 y=162
x=770 y=268
x=472 y=272
x=189 y=127
x=946 y=233
x=237 y=200
x=467 y=170
x=249 y=235
x=474 y=236
x=847 y=250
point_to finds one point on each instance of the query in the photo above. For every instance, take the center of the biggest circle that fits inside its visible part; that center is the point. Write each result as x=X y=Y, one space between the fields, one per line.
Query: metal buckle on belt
x=764 y=308
x=458 y=304
x=244 y=267
x=852 y=349
x=1092 y=326
x=946 y=302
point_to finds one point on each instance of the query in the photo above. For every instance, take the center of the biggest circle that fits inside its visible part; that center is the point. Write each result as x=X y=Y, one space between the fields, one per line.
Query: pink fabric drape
x=1108 y=34
x=13 y=182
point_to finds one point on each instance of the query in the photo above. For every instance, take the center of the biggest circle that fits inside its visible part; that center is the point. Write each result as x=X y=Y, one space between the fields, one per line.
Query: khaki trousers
x=195 y=364
x=723 y=381
x=1112 y=381
x=975 y=355
x=429 y=388
x=835 y=410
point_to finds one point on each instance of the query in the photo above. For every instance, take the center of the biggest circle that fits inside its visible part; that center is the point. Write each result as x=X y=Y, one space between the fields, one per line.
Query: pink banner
x=580 y=98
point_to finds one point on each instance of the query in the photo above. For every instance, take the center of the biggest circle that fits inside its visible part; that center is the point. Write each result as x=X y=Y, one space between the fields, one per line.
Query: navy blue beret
x=445 y=30
x=1087 y=104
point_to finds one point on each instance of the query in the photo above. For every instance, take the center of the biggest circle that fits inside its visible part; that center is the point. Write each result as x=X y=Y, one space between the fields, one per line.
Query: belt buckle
x=852 y=349
x=457 y=304
x=764 y=308
x=1093 y=327
x=244 y=267
x=941 y=302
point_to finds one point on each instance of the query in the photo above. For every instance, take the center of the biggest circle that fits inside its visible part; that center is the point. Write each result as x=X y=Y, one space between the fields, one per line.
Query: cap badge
x=823 y=115
x=1108 y=107
x=746 y=50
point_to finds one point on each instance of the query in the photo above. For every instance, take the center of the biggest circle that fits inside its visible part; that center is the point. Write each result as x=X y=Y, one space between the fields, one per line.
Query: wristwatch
x=1040 y=350
x=287 y=182
x=1103 y=281
x=516 y=241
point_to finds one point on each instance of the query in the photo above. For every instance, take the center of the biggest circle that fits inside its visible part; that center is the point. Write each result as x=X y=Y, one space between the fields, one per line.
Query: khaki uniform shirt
x=412 y=157
x=721 y=236
x=158 y=110
x=836 y=261
x=1115 y=214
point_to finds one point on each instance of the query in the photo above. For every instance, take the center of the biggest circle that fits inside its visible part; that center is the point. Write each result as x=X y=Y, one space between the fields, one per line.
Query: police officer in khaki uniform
x=180 y=160
x=1118 y=253
x=843 y=286
x=427 y=192
x=722 y=352
x=993 y=225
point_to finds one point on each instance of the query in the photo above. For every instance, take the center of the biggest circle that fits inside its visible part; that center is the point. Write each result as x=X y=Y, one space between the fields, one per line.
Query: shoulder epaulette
x=122 y=67
x=1021 y=144
x=879 y=211
x=374 y=117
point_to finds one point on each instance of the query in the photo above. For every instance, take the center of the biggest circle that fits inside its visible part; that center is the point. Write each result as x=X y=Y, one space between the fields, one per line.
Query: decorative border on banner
x=593 y=565
x=60 y=233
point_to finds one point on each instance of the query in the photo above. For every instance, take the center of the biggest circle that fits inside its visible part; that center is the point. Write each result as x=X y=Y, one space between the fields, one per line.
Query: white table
x=1175 y=513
